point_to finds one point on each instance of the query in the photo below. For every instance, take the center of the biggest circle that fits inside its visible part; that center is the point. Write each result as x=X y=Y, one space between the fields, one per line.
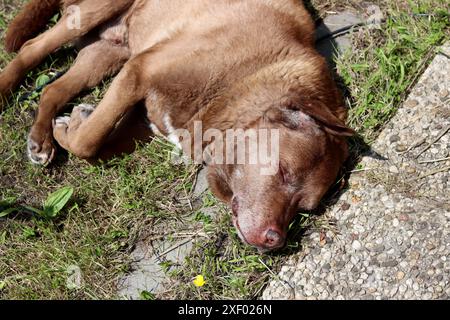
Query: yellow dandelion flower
x=199 y=281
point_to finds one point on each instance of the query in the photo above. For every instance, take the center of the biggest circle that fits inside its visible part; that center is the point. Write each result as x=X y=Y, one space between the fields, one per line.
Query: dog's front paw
x=40 y=145
x=41 y=153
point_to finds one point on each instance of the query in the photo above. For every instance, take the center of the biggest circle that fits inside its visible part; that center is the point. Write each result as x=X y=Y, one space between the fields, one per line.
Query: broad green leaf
x=43 y=79
x=34 y=210
x=57 y=201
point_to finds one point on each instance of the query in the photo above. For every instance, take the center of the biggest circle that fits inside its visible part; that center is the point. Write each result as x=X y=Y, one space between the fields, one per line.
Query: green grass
x=386 y=62
x=143 y=195
x=112 y=206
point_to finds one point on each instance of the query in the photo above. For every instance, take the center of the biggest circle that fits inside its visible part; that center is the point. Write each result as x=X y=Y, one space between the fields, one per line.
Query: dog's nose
x=273 y=240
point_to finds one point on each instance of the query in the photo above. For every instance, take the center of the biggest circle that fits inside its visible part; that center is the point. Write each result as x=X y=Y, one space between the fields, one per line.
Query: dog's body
x=229 y=64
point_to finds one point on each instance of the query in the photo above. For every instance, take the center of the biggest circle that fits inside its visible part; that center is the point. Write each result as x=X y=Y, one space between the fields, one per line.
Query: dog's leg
x=134 y=128
x=94 y=63
x=83 y=134
x=92 y=13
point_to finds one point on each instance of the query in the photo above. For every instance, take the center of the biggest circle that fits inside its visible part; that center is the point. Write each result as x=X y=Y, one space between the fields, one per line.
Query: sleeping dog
x=199 y=66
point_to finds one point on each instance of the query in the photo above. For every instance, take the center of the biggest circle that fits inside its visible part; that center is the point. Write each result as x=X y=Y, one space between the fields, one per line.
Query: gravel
x=391 y=237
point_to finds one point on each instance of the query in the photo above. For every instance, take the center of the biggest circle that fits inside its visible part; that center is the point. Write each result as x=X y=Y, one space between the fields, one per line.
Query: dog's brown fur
x=34 y=17
x=227 y=63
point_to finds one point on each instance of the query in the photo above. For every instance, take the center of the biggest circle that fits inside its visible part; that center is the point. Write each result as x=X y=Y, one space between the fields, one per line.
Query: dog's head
x=308 y=134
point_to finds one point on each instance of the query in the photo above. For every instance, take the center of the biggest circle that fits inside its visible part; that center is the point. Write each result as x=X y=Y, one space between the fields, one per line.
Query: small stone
x=310 y=265
x=395 y=222
x=345 y=206
x=400 y=275
x=308 y=292
x=414 y=255
x=394 y=138
x=409 y=295
x=390 y=264
x=434 y=151
x=411 y=170
x=411 y=103
x=393 y=291
x=393 y=169
x=402 y=288
x=401 y=148
x=356 y=245
x=374 y=262
x=331 y=288
x=428 y=296
x=378 y=248
x=326 y=267
x=326 y=256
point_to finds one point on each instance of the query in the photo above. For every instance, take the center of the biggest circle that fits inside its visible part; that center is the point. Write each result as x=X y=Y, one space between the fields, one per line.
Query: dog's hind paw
x=79 y=114
x=65 y=128
x=62 y=121
x=84 y=110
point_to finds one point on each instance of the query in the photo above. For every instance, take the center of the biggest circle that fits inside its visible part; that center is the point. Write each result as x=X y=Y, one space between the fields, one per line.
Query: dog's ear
x=297 y=117
x=218 y=185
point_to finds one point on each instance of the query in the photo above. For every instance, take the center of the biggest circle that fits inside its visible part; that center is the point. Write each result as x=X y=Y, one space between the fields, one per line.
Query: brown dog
x=227 y=64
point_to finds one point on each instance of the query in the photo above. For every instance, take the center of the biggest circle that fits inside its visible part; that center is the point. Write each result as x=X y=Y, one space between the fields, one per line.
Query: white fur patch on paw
x=85 y=110
x=42 y=158
x=62 y=121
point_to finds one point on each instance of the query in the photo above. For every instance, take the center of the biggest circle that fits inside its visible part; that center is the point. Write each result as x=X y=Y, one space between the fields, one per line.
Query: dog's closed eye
x=285 y=175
